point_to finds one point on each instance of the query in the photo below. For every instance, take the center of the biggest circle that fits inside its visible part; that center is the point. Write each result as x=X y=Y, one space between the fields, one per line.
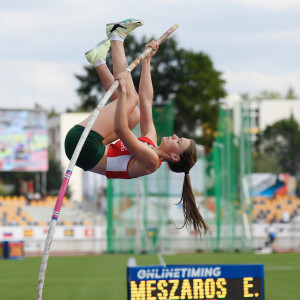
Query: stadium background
x=141 y=215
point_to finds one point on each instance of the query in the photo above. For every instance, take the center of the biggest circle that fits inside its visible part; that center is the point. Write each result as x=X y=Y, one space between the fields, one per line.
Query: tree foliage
x=281 y=141
x=272 y=95
x=54 y=178
x=269 y=95
x=263 y=163
x=54 y=175
x=291 y=95
x=188 y=78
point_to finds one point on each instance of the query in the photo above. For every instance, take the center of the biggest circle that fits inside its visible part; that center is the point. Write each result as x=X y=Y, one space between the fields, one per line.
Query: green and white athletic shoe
x=123 y=28
x=100 y=51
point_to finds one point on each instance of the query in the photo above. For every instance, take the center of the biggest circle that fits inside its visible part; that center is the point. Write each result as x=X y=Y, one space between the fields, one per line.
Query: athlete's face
x=174 y=144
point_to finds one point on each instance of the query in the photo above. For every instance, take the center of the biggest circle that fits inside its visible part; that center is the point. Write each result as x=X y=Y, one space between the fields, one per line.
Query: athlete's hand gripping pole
x=73 y=160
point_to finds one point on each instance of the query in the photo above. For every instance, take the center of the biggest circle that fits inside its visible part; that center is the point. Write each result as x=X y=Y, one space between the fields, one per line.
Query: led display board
x=23 y=140
x=207 y=282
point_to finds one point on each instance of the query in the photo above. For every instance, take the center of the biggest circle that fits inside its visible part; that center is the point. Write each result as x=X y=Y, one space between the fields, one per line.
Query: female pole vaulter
x=131 y=157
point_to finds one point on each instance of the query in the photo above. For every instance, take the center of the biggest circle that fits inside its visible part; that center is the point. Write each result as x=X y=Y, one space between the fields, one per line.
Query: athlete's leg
x=104 y=124
x=107 y=79
x=133 y=120
x=97 y=59
x=119 y=64
x=97 y=55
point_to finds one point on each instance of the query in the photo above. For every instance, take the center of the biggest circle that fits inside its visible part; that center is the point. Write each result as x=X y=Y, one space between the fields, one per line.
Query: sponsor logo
x=7 y=234
x=28 y=233
x=123 y=148
x=200 y=272
x=89 y=232
x=69 y=232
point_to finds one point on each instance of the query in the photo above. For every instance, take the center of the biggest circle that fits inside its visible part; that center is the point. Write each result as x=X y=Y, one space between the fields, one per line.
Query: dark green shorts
x=92 y=150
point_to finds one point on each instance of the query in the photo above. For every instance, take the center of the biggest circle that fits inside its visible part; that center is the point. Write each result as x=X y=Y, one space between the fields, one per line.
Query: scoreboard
x=207 y=282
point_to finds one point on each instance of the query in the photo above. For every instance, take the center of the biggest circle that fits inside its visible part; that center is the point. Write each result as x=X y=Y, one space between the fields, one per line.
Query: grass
x=103 y=277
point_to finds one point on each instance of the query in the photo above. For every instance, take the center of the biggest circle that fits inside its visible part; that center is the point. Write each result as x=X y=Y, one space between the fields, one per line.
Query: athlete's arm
x=146 y=96
x=142 y=153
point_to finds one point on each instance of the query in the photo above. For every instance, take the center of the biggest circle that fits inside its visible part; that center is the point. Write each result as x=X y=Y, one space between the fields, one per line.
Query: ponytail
x=192 y=216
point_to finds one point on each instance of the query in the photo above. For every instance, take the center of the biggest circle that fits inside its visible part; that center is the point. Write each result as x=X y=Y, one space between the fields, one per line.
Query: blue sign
x=229 y=282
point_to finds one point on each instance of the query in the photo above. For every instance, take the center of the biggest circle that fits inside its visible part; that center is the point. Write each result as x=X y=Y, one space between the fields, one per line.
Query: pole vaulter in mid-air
x=91 y=144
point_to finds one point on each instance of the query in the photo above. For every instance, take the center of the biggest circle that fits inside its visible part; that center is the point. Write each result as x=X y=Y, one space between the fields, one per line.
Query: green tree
x=245 y=96
x=269 y=95
x=52 y=113
x=272 y=95
x=188 y=78
x=54 y=178
x=281 y=141
x=263 y=163
x=14 y=179
x=291 y=94
x=196 y=100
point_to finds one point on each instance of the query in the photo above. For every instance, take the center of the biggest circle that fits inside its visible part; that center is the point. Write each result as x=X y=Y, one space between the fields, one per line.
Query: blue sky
x=254 y=43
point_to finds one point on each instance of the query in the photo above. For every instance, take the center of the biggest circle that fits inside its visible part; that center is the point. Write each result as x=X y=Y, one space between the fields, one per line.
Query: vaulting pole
x=64 y=185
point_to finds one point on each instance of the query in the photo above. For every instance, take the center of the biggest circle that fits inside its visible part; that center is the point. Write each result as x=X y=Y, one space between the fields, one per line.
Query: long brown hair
x=192 y=216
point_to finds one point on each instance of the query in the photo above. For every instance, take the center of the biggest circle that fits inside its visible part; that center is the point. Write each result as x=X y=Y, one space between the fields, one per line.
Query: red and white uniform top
x=118 y=159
